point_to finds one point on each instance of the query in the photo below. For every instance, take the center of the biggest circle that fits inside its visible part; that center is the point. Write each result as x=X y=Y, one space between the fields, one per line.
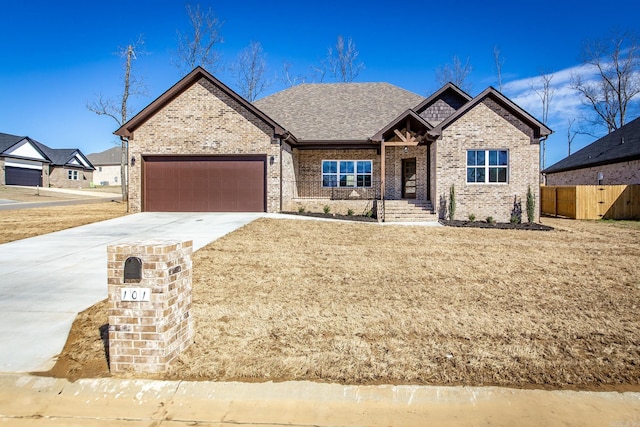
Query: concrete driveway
x=46 y=280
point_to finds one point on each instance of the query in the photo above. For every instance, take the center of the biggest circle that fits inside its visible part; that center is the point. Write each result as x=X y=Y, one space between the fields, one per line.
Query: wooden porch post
x=382 y=168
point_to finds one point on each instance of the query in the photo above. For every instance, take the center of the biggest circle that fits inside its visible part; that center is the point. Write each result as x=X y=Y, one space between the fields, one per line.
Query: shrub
x=490 y=220
x=531 y=206
x=350 y=212
x=326 y=209
x=452 y=203
x=472 y=217
x=516 y=212
x=301 y=209
x=369 y=213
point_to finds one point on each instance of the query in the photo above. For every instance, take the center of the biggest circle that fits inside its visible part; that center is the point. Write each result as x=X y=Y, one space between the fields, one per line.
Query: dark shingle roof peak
x=620 y=145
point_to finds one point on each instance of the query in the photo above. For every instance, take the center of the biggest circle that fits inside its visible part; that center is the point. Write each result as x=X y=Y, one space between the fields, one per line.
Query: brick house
x=358 y=146
x=107 y=164
x=25 y=161
x=612 y=159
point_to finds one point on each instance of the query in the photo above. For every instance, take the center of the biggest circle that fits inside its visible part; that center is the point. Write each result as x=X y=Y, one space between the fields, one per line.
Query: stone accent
x=204 y=120
x=147 y=336
x=2 y=177
x=486 y=126
x=59 y=178
x=612 y=174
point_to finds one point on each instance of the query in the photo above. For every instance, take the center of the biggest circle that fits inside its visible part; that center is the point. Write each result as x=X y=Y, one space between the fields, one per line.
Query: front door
x=409 y=178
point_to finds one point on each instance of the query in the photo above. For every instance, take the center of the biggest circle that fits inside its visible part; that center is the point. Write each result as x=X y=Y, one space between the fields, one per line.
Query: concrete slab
x=46 y=280
x=108 y=401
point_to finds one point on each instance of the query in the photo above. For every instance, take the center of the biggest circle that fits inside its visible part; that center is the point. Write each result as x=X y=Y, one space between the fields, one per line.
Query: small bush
x=514 y=219
x=350 y=212
x=301 y=209
x=326 y=209
x=452 y=203
x=368 y=213
x=472 y=217
x=490 y=220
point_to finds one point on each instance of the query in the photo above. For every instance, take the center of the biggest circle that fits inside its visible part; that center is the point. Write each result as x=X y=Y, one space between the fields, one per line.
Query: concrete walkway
x=36 y=401
x=46 y=280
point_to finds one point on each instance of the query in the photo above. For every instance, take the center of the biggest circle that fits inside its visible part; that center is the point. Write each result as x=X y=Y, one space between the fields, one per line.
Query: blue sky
x=56 y=56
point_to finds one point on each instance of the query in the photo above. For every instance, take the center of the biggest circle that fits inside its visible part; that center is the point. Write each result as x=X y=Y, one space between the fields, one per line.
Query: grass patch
x=23 y=223
x=363 y=304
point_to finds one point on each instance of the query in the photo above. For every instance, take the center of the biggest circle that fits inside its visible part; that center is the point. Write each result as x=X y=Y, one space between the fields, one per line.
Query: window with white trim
x=73 y=175
x=346 y=173
x=487 y=166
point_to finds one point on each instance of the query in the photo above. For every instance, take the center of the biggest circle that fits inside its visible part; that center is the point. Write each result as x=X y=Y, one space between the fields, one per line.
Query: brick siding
x=59 y=178
x=203 y=120
x=613 y=174
x=486 y=126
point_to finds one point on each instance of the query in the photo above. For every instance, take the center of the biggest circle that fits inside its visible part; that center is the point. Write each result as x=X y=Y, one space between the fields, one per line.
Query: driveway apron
x=46 y=280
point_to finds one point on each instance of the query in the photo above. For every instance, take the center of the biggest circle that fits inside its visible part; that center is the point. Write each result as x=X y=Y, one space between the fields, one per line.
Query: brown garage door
x=204 y=184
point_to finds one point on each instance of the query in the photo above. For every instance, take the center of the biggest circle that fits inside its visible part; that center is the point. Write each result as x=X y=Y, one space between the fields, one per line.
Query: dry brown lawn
x=23 y=223
x=363 y=304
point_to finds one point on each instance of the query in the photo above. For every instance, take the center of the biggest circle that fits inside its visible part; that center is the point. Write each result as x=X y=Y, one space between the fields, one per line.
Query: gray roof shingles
x=112 y=156
x=620 y=145
x=337 y=111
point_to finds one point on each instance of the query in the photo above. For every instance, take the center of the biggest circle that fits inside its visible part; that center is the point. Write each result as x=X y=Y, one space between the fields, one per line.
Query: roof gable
x=410 y=121
x=442 y=103
x=620 y=145
x=25 y=149
x=337 y=111
x=127 y=129
x=539 y=128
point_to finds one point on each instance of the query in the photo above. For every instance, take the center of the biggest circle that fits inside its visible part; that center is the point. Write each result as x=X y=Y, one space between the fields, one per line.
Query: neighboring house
x=25 y=161
x=107 y=164
x=202 y=147
x=612 y=159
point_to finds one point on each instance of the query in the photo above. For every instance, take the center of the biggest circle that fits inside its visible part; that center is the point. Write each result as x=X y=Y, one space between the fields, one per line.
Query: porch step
x=409 y=211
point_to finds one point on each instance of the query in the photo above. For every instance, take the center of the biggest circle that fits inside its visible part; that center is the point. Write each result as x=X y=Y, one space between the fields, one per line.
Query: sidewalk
x=40 y=401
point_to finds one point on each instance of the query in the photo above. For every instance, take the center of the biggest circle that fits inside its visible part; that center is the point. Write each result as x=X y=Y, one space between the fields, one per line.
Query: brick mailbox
x=150 y=320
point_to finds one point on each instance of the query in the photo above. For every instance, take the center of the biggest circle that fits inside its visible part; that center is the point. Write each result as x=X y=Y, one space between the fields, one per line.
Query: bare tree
x=289 y=79
x=617 y=83
x=456 y=73
x=571 y=134
x=343 y=62
x=545 y=92
x=118 y=110
x=198 y=47
x=498 y=62
x=250 y=71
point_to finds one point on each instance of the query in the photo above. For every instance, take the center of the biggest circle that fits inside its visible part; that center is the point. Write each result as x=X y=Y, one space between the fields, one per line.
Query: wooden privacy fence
x=591 y=201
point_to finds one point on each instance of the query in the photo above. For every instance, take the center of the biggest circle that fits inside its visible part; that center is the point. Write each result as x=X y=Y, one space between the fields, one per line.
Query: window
x=487 y=165
x=346 y=173
x=73 y=175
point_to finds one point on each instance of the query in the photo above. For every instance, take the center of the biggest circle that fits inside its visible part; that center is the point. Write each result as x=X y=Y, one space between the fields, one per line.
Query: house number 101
x=135 y=294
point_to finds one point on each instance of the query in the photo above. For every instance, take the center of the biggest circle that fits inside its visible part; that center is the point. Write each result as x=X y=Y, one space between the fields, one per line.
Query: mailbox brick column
x=145 y=336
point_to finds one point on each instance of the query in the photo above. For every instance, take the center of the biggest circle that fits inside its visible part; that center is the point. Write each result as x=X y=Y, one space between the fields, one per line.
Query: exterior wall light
x=133 y=161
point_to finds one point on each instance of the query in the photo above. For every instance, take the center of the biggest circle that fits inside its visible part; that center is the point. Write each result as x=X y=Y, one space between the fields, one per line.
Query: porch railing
x=315 y=190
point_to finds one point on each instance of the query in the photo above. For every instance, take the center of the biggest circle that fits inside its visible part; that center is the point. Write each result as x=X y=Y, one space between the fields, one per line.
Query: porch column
x=383 y=170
